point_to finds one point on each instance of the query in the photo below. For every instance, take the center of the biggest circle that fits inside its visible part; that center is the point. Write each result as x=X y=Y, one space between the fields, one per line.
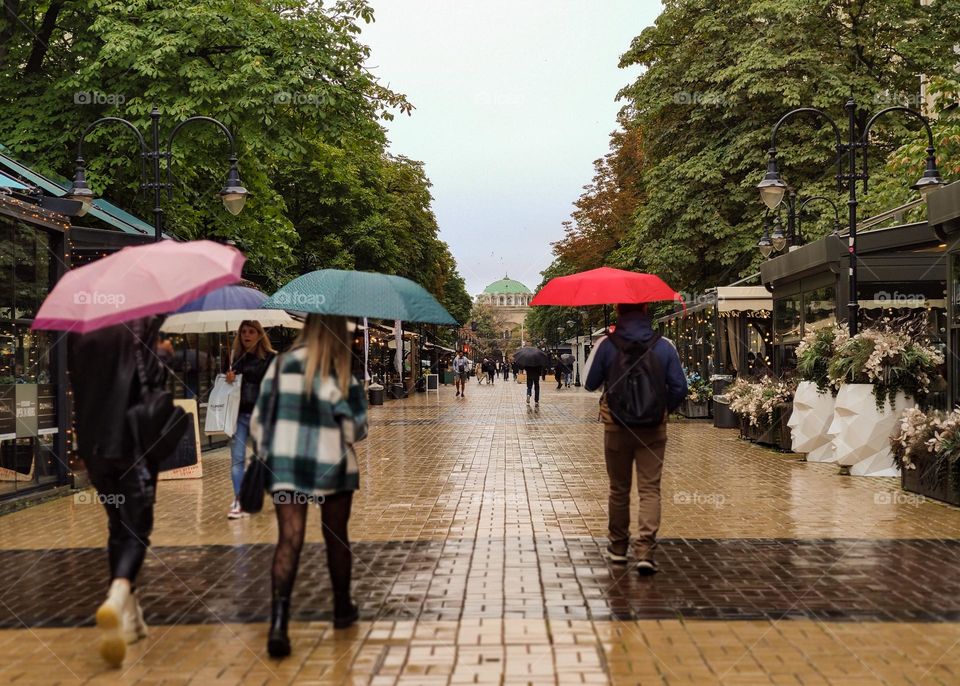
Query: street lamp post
x=778 y=240
x=772 y=188
x=233 y=194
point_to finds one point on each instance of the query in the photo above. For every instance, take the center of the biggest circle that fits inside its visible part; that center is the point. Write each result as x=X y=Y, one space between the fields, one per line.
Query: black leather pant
x=533 y=384
x=128 y=494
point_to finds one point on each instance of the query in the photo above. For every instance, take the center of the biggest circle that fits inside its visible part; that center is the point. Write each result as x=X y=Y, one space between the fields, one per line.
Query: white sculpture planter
x=861 y=434
x=811 y=419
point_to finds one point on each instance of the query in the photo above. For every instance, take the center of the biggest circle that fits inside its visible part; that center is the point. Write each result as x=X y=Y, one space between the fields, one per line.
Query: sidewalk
x=479 y=533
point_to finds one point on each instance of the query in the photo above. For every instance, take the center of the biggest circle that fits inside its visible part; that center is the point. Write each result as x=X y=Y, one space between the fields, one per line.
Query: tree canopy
x=676 y=195
x=288 y=77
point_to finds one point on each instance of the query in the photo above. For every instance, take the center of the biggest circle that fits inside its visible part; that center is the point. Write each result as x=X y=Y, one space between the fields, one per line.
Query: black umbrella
x=528 y=356
x=568 y=360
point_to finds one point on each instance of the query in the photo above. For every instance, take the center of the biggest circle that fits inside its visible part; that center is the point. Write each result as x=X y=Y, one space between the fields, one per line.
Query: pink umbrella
x=137 y=282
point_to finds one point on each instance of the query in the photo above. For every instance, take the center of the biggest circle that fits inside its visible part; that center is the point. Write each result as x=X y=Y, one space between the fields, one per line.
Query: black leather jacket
x=253 y=369
x=103 y=372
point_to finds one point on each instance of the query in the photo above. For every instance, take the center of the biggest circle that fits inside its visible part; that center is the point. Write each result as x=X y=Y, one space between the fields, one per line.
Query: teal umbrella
x=359 y=294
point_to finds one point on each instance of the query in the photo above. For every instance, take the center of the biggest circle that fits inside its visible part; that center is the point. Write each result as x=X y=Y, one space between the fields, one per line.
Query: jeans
x=567 y=376
x=128 y=494
x=533 y=382
x=238 y=450
x=642 y=449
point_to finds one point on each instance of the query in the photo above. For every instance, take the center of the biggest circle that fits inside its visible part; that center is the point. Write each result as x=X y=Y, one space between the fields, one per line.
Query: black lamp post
x=778 y=239
x=233 y=194
x=772 y=188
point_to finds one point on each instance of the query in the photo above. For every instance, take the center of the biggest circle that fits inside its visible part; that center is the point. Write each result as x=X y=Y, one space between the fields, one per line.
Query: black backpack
x=635 y=385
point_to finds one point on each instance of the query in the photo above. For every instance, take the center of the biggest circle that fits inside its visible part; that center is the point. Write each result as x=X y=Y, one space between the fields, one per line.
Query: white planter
x=861 y=435
x=811 y=418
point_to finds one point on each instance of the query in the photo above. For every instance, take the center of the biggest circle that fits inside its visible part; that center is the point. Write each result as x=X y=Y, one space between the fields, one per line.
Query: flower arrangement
x=815 y=352
x=699 y=389
x=913 y=440
x=757 y=401
x=889 y=357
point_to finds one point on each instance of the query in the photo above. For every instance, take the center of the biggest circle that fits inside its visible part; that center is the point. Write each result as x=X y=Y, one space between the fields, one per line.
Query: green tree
x=289 y=79
x=718 y=75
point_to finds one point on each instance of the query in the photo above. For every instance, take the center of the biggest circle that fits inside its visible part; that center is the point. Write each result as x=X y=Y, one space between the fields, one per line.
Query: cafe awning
x=743 y=298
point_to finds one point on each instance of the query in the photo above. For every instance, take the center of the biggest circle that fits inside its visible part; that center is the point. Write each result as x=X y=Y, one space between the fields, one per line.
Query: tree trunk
x=41 y=43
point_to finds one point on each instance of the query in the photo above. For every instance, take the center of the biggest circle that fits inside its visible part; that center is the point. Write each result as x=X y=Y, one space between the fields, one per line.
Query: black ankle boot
x=345 y=614
x=278 y=643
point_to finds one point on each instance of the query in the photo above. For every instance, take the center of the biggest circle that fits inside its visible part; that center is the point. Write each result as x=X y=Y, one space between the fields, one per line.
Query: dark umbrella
x=528 y=356
x=568 y=360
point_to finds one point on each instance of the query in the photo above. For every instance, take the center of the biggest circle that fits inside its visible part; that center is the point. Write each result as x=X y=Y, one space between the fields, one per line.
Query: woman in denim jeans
x=252 y=354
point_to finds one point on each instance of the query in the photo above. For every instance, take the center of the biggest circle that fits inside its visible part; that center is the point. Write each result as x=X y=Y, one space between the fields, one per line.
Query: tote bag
x=223 y=405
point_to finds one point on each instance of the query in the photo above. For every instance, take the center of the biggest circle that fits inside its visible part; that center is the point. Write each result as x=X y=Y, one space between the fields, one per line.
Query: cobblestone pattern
x=521 y=578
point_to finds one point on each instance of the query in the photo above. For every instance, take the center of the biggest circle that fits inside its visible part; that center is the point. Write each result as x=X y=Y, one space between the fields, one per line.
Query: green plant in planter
x=931 y=440
x=815 y=352
x=758 y=401
x=892 y=360
x=699 y=390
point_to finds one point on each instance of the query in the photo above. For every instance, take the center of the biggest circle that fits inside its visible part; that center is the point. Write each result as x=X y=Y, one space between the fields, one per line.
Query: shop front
x=34 y=427
x=901 y=273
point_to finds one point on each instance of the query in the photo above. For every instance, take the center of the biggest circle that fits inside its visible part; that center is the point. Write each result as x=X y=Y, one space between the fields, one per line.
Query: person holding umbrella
x=251 y=356
x=643 y=381
x=533 y=361
x=634 y=356
x=311 y=412
x=126 y=423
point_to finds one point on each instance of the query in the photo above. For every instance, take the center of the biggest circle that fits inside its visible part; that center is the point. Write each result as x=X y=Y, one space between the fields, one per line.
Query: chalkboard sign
x=186 y=454
x=185 y=462
x=433 y=382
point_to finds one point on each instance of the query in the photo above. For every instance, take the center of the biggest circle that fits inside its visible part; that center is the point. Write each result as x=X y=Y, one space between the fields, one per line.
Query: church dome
x=506 y=285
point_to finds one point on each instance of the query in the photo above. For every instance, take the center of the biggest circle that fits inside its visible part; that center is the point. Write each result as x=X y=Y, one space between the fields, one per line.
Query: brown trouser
x=623 y=449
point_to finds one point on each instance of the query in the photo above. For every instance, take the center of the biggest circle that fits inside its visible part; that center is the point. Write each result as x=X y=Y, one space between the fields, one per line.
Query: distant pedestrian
x=110 y=369
x=533 y=384
x=480 y=370
x=491 y=371
x=318 y=412
x=516 y=371
x=461 y=370
x=252 y=354
x=505 y=368
x=558 y=374
x=635 y=432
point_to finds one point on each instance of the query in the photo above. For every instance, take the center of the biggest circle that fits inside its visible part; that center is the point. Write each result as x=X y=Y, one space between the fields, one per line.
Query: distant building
x=511 y=299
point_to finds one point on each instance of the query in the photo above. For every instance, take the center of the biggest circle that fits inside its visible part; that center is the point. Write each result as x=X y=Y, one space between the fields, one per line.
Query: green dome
x=506 y=285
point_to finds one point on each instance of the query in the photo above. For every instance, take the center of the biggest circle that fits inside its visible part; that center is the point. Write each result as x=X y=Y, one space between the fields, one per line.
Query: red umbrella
x=605 y=286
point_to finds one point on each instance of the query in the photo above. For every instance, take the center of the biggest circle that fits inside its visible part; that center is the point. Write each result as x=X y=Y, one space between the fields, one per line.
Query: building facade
x=509 y=298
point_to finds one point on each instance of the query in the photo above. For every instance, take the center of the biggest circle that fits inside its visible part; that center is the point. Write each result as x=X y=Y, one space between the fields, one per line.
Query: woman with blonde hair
x=310 y=412
x=250 y=357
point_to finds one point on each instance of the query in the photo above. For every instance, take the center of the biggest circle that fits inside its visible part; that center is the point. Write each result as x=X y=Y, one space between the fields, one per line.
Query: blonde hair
x=263 y=348
x=328 y=345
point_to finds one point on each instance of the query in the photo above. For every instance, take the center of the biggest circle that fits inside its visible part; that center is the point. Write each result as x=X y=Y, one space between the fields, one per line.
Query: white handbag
x=223 y=406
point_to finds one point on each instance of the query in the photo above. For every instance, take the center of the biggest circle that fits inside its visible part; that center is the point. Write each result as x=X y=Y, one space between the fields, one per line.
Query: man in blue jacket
x=641 y=448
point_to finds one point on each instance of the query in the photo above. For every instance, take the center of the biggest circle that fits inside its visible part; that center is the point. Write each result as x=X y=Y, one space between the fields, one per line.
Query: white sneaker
x=235 y=511
x=135 y=628
x=111 y=618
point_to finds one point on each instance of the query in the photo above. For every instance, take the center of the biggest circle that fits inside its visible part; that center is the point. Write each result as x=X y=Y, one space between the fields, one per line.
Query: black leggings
x=128 y=494
x=533 y=382
x=292 y=520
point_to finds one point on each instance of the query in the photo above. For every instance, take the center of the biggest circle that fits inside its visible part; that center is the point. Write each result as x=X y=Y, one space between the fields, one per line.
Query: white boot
x=111 y=617
x=135 y=628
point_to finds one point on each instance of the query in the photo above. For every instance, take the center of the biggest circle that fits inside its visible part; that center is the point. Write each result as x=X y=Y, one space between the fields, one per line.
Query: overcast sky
x=514 y=101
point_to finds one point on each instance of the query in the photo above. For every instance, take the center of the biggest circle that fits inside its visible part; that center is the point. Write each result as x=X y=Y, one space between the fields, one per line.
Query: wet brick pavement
x=839 y=580
x=479 y=531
